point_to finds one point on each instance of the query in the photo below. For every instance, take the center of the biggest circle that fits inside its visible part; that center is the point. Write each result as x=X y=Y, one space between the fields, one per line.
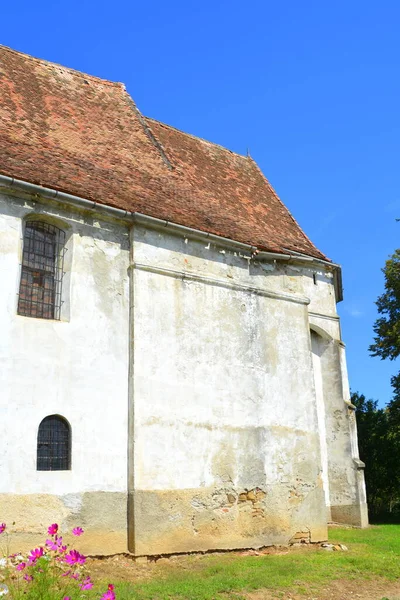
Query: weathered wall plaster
x=342 y=470
x=77 y=368
x=224 y=399
x=204 y=356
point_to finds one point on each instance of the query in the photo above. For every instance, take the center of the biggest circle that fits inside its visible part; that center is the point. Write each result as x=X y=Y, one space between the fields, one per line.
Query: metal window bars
x=54 y=444
x=42 y=270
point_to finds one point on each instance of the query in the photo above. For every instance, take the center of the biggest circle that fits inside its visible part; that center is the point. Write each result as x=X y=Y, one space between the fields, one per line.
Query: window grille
x=42 y=271
x=54 y=444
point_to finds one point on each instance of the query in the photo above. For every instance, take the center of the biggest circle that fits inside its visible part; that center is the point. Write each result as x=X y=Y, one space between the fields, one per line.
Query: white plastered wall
x=224 y=399
x=76 y=367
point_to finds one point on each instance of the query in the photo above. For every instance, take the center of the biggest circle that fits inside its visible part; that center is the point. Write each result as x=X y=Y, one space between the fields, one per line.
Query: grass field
x=373 y=556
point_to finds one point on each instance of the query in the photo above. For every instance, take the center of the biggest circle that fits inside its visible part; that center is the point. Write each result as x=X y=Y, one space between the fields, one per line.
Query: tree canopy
x=387 y=327
x=379 y=445
x=379 y=428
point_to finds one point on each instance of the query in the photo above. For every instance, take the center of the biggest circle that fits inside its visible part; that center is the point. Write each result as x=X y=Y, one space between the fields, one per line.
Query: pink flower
x=74 y=558
x=2 y=527
x=34 y=555
x=28 y=577
x=51 y=545
x=21 y=566
x=55 y=544
x=66 y=598
x=71 y=574
x=52 y=530
x=110 y=594
x=86 y=584
x=77 y=531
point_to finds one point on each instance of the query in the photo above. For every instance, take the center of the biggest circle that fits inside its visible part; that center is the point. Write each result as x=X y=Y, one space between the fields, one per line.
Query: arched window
x=54 y=444
x=42 y=271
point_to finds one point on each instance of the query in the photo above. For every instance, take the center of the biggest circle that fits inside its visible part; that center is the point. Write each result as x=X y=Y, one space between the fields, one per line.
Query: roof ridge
x=196 y=137
x=286 y=208
x=49 y=63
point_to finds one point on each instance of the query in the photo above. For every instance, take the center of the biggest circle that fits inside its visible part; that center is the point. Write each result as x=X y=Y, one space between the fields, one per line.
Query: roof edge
x=83 y=203
x=326 y=258
x=254 y=163
x=49 y=63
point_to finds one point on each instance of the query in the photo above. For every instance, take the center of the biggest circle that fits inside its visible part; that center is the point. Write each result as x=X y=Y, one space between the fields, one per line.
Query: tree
x=387 y=336
x=379 y=428
x=372 y=438
x=394 y=404
x=378 y=446
x=387 y=327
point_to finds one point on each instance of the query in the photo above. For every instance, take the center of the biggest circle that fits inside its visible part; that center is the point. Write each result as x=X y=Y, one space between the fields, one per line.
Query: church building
x=172 y=373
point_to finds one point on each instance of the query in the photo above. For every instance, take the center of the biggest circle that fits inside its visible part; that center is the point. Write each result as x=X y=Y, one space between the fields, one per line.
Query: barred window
x=54 y=444
x=42 y=271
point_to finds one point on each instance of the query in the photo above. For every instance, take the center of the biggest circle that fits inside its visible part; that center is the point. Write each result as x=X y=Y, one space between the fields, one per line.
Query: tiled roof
x=75 y=133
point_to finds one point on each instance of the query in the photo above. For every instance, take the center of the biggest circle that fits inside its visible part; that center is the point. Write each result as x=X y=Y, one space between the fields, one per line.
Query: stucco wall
x=76 y=367
x=185 y=370
x=343 y=474
x=226 y=449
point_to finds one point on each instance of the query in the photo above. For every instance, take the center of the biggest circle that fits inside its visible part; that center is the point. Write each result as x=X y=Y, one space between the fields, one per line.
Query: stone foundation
x=102 y=515
x=168 y=522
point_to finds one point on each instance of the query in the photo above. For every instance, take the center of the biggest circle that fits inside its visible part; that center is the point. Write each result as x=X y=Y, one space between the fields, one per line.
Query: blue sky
x=311 y=88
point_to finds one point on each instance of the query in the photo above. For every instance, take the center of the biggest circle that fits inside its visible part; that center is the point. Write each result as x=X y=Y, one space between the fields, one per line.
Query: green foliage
x=379 y=430
x=46 y=583
x=387 y=327
x=372 y=426
x=48 y=572
x=379 y=446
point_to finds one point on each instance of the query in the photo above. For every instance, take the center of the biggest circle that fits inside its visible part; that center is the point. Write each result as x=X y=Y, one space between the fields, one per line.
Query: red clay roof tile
x=83 y=135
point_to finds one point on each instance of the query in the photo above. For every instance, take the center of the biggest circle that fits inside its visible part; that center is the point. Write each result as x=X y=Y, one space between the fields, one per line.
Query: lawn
x=372 y=561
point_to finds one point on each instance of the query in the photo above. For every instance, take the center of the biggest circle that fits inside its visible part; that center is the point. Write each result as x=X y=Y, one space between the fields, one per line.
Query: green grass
x=372 y=553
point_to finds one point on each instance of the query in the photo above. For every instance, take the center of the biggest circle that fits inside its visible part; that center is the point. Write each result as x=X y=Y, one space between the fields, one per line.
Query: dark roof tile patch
x=79 y=134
